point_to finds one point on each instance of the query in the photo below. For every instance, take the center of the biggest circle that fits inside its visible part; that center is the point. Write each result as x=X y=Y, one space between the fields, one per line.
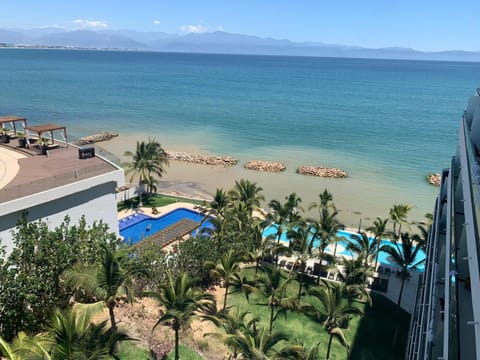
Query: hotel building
x=445 y=323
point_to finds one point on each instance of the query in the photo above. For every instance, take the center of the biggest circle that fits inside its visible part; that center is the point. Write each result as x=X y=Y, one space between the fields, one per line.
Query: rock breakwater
x=91 y=139
x=321 y=171
x=261 y=165
x=434 y=179
x=202 y=159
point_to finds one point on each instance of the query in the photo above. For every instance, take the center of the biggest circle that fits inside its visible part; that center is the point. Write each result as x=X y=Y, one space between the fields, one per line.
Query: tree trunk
x=177 y=355
x=272 y=309
x=111 y=306
x=397 y=327
x=401 y=292
x=329 y=346
x=227 y=285
x=300 y=283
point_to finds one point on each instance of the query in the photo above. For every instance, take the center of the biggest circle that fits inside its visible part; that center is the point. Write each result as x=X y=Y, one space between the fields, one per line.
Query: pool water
x=383 y=258
x=136 y=228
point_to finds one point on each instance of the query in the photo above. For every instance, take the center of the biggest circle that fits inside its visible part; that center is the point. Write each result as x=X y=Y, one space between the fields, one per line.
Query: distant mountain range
x=214 y=42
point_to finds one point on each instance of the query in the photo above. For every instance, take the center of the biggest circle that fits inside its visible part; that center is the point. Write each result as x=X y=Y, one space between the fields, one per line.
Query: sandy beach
x=357 y=197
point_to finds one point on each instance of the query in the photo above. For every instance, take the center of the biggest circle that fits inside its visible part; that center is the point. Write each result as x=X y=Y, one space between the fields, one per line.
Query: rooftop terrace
x=37 y=172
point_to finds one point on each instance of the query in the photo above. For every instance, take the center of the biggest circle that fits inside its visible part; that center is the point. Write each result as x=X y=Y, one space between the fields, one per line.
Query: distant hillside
x=214 y=42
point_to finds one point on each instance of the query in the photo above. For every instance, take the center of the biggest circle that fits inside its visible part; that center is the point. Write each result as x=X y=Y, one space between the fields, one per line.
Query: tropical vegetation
x=267 y=309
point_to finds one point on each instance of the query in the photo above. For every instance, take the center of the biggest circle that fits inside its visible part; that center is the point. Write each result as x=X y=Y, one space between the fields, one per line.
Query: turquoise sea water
x=387 y=123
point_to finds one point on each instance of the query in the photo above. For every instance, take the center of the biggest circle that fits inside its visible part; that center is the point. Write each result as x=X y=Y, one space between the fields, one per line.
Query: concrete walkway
x=9 y=166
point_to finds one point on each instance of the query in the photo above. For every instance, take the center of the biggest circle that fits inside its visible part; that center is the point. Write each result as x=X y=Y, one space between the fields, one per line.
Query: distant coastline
x=218 y=42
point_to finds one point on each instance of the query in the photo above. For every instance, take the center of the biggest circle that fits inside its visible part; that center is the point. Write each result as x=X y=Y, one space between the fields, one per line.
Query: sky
x=425 y=25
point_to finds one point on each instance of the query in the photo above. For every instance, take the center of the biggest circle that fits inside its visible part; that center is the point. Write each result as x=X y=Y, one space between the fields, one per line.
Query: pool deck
x=409 y=292
x=161 y=210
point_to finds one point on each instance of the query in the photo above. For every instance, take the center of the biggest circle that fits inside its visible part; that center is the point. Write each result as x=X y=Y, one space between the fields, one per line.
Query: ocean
x=387 y=123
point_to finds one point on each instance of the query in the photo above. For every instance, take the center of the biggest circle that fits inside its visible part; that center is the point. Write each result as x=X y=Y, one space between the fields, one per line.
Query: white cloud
x=197 y=29
x=156 y=22
x=220 y=28
x=90 y=24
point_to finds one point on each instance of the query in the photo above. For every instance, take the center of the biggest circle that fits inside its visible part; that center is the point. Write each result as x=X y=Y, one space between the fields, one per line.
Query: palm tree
x=70 y=336
x=248 y=193
x=364 y=247
x=282 y=215
x=354 y=279
x=76 y=337
x=378 y=229
x=106 y=281
x=218 y=205
x=273 y=286
x=301 y=244
x=398 y=214
x=148 y=159
x=182 y=303
x=334 y=314
x=225 y=269
x=325 y=231
x=263 y=346
x=405 y=256
x=325 y=201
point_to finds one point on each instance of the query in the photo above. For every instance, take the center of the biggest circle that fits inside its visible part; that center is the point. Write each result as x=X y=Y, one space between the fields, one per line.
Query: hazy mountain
x=215 y=42
x=91 y=39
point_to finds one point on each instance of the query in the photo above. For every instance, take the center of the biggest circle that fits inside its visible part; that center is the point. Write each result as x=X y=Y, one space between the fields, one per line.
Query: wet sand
x=362 y=196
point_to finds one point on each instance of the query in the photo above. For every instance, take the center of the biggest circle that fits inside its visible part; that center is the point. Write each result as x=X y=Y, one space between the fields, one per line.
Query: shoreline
x=360 y=197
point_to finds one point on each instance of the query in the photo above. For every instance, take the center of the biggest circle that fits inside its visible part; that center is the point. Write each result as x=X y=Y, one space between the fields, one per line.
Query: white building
x=52 y=186
x=446 y=319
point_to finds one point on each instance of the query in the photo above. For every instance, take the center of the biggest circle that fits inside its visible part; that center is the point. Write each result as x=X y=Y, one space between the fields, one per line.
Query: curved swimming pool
x=383 y=258
x=136 y=228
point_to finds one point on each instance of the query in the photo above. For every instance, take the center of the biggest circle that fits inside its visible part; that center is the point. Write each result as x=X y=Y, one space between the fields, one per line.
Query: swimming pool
x=383 y=258
x=136 y=228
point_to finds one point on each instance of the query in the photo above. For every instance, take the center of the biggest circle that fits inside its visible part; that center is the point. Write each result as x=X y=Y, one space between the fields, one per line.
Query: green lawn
x=155 y=201
x=370 y=337
x=131 y=350
x=185 y=354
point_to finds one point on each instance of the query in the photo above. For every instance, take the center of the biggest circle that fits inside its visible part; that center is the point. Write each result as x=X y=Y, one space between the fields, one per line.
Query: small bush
x=160 y=350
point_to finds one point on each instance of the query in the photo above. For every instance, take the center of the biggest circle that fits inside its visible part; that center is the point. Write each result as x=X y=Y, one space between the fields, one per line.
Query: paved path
x=8 y=165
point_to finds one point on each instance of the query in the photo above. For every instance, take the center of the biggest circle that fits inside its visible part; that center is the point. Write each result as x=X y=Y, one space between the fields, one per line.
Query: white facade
x=93 y=197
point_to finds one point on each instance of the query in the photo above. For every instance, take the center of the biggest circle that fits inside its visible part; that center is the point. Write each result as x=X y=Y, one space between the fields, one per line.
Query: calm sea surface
x=387 y=123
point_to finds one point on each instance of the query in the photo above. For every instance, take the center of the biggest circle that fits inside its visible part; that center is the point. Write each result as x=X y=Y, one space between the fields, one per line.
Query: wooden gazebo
x=12 y=120
x=47 y=128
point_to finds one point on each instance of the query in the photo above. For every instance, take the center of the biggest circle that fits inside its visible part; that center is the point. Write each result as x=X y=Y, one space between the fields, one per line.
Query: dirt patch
x=139 y=318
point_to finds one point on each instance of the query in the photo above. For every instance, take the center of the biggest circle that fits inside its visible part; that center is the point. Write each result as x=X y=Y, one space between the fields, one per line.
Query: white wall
x=96 y=203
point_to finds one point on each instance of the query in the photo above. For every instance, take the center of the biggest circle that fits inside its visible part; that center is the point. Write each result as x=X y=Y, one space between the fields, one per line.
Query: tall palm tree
x=273 y=286
x=106 y=281
x=325 y=231
x=334 y=314
x=325 y=201
x=354 y=279
x=398 y=214
x=300 y=243
x=149 y=159
x=225 y=269
x=364 y=247
x=405 y=256
x=282 y=215
x=248 y=193
x=219 y=203
x=182 y=302
x=379 y=230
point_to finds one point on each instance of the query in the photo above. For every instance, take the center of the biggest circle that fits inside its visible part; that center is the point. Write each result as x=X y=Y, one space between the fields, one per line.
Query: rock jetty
x=321 y=171
x=101 y=136
x=202 y=159
x=434 y=179
x=262 y=165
